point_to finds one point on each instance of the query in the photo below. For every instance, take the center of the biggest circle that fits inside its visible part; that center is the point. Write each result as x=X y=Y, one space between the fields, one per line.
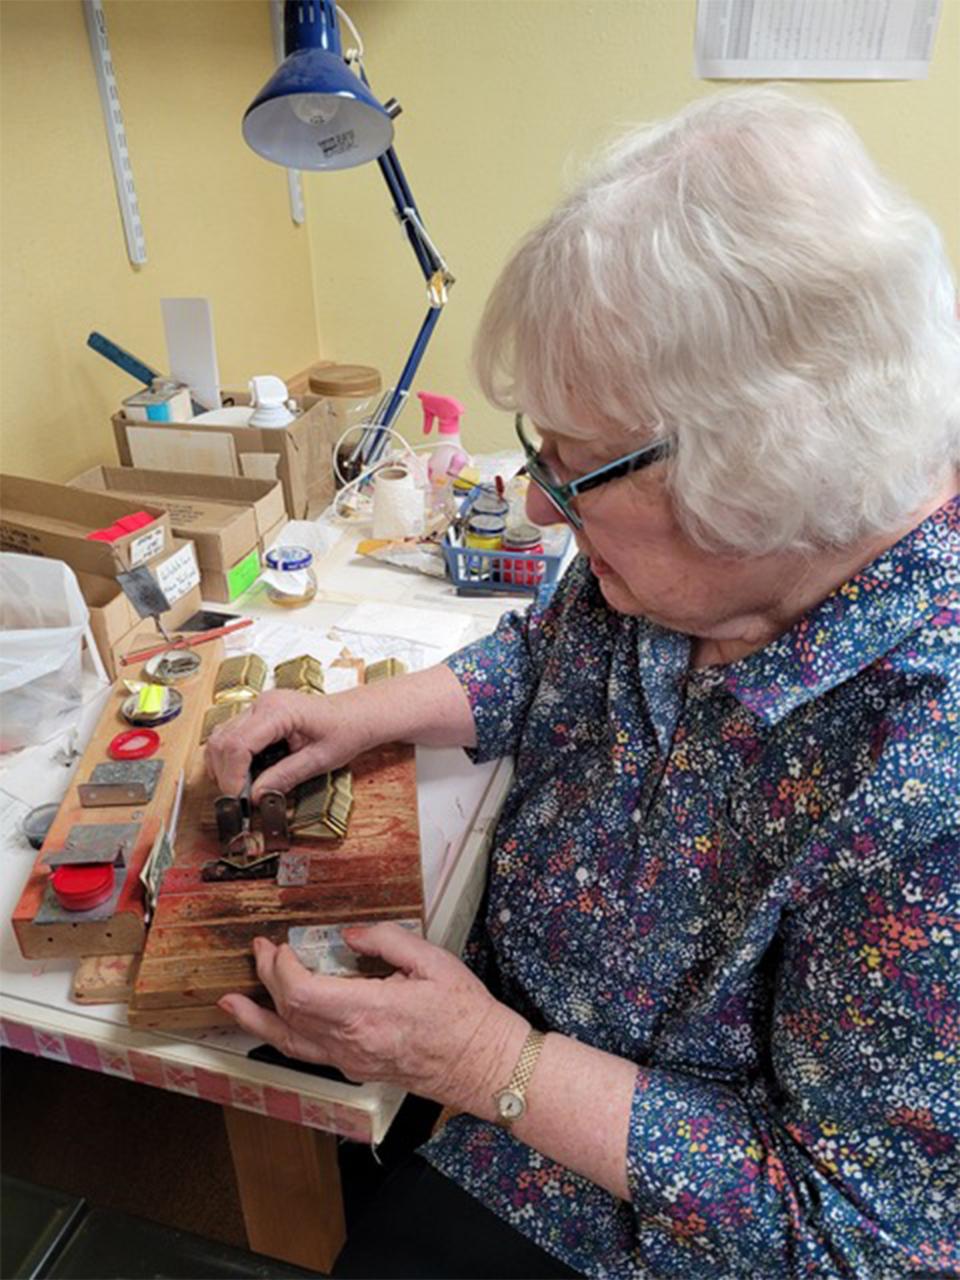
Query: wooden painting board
x=200 y=943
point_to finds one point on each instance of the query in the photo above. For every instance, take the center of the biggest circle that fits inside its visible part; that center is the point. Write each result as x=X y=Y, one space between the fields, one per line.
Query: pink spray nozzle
x=444 y=409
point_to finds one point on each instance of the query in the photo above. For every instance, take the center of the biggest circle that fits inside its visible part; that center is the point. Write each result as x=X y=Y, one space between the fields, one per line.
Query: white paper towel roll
x=397 y=504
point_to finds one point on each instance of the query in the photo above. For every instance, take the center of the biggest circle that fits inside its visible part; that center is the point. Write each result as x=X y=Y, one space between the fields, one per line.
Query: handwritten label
x=178 y=574
x=147 y=545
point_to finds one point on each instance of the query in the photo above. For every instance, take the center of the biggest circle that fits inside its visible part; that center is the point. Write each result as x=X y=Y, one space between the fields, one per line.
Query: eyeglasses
x=563 y=495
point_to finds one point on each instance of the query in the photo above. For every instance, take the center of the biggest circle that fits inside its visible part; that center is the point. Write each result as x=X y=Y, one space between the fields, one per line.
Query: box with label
x=230 y=520
x=225 y=516
x=113 y=619
x=53 y=520
x=298 y=455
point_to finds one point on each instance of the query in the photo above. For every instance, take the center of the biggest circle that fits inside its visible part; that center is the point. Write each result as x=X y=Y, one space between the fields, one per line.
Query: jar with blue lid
x=289 y=576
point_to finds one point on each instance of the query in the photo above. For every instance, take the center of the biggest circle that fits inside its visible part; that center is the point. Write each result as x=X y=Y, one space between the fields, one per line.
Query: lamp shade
x=314 y=113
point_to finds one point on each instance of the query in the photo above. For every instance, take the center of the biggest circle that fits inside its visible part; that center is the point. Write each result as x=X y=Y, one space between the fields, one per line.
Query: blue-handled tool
x=130 y=364
x=123 y=359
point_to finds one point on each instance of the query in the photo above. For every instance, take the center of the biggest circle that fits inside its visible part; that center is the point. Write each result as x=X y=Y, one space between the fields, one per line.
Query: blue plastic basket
x=493 y=573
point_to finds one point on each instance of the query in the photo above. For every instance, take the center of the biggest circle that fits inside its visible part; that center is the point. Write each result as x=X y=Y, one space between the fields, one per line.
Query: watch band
x=511 y=1100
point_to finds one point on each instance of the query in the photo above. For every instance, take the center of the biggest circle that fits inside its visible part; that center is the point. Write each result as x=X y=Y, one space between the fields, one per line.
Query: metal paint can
x=163 y=401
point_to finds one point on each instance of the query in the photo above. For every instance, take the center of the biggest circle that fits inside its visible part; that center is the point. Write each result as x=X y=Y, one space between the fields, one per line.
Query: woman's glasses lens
x=543 y=478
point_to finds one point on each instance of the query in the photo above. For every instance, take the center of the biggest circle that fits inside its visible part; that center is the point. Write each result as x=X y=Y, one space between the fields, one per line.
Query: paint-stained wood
x=123 y=933
x=104 y=979
x=200 y=942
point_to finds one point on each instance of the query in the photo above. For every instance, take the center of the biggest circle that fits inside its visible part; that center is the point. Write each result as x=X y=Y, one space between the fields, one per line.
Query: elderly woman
x=706 y=1025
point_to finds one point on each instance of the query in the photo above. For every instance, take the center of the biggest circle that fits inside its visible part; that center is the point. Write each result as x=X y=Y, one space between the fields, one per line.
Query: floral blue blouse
x=744 y=880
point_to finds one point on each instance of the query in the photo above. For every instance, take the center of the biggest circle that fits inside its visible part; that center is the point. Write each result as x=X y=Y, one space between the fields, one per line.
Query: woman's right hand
x=323 y=732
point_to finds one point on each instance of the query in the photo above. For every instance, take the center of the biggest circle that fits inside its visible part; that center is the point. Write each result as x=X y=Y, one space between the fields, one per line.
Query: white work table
x=269 y=1109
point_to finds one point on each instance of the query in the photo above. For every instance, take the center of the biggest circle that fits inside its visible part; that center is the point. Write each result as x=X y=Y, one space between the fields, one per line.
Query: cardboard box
x=272 y=536
x=298 y=455
x=224 y=588
x=224 y=516
x=53 y=520
x=113 y=619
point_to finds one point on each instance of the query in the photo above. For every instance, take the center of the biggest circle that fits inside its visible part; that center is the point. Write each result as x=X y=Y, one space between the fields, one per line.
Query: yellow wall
x=216 y=218
x=503 y=101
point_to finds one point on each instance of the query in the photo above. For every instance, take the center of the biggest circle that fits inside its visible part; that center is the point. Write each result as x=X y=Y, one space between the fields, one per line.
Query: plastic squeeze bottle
x=449 y=457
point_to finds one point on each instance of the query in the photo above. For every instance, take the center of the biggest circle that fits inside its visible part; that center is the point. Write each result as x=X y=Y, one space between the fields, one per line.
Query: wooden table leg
x=289 y=1184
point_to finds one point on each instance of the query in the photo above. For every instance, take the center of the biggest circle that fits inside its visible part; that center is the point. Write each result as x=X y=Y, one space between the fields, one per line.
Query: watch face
x=510 y=1105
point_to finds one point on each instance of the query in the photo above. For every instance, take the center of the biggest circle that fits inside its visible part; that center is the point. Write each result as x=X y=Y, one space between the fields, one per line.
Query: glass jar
x=489 y=503
x=351 y=393
x=522 y=573
x=289 y=577
x=483 y=532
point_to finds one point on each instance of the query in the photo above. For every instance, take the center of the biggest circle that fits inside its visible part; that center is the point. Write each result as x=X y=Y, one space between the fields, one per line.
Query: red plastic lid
x=133 y=744
x=82 y=885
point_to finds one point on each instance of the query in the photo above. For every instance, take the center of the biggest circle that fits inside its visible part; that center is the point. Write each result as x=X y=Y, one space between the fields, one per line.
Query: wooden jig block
x=79 y=933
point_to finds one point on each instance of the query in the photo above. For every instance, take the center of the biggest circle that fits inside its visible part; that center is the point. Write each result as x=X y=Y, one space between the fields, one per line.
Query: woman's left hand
x=431 y=1027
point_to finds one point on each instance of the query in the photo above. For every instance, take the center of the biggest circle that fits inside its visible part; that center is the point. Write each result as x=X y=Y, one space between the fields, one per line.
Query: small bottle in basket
x=522 y=573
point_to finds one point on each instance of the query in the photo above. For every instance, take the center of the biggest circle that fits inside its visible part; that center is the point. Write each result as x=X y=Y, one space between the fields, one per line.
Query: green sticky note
x=152 y=698
x=243 y=574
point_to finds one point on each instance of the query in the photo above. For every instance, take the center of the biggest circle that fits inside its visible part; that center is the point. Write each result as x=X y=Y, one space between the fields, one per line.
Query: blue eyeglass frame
x=562 y=495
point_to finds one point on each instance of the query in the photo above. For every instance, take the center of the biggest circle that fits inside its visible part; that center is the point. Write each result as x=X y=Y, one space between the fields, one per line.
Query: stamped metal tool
x=122 y=782
x=246 y=854
x=273 y=821
x=243 y=855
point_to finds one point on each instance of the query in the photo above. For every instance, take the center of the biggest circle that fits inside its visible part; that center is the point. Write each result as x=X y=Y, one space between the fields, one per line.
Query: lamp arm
x=404 y=204
x=407 y=374
x=438 y=277
x=372 y=443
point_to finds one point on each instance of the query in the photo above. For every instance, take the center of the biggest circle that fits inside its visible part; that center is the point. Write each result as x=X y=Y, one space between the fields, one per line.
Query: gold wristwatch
x=511 y=1101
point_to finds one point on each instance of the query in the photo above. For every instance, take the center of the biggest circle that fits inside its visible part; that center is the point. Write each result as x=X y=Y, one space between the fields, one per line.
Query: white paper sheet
x=12 y=814
x=279 y=641
x=415 y=657
x=815 y=39
x=339 y=679
x=188 y=323
x=441 y=631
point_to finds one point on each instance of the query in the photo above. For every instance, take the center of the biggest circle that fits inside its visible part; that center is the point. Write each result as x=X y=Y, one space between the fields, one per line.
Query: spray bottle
x=449 y=457
x=270 y=400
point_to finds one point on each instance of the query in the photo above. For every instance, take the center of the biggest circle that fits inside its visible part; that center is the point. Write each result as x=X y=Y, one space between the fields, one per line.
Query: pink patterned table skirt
x=198 y=1082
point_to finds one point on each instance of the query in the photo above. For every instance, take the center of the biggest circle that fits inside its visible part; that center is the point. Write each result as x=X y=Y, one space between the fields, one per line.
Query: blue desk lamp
x=315 y=113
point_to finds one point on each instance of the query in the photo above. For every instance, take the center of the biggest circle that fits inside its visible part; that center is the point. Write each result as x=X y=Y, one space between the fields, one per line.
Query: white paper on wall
x=815 y=39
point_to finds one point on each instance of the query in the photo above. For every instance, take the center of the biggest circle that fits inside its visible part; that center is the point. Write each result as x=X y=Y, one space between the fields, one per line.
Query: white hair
x=742 y=278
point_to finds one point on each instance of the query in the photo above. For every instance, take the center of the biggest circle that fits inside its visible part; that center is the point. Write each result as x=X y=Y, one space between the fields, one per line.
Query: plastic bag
x=43 y=618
